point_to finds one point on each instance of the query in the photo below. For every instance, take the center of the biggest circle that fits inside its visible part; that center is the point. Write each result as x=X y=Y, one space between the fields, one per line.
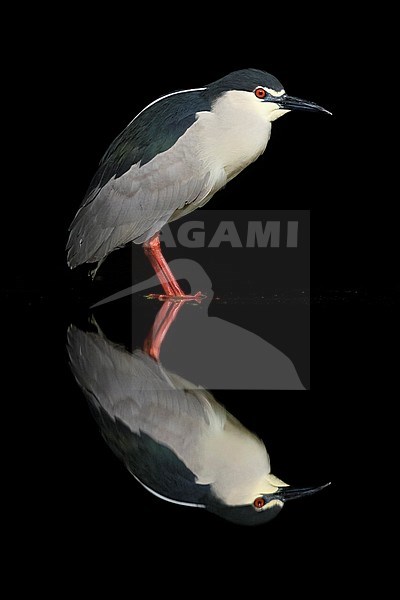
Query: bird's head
x=260 y=92
x=265 y=506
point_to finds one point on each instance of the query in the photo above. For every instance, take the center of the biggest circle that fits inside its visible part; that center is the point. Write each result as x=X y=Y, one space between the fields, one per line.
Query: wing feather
x=131 y=203
x=139 y=203
x=139 y=392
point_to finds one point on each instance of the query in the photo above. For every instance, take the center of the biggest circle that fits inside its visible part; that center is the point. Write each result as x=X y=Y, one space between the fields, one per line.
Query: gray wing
x=134 y=206
x=136 y=390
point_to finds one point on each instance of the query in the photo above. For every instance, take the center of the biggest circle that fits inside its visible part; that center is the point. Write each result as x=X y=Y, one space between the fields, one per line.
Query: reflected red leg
x=171 y=287
x=163 y=321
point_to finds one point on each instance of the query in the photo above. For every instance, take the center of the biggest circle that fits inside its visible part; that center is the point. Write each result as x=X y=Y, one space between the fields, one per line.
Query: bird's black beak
x=292 y=103
x=290 y=493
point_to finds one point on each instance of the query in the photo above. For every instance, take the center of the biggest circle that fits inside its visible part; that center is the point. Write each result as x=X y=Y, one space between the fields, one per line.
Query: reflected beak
x=292 y=103
x=289 y=493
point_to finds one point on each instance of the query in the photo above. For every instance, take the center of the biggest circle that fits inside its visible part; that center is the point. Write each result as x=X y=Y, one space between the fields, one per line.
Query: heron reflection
x=173 y=436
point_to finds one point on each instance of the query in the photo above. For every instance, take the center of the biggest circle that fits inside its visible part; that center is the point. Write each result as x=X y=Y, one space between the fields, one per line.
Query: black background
x=84 y=83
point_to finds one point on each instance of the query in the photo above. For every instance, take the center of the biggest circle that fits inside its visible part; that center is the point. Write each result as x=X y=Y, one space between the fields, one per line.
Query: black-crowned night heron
x=174 y=437
x=171 y=159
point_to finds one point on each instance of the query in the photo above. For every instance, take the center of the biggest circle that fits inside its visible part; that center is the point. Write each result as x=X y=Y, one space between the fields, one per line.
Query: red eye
x=259 y=503
x=260 y=93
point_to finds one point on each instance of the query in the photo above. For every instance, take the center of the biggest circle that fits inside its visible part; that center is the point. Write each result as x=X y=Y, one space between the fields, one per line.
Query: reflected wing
x=136 y=390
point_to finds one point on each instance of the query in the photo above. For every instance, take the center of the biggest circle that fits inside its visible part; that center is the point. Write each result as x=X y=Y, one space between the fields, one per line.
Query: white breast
x=235 y=133
x=235 y=463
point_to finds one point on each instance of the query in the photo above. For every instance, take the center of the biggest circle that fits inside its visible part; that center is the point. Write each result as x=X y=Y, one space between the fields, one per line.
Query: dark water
x=76 y=464
x=249 y=334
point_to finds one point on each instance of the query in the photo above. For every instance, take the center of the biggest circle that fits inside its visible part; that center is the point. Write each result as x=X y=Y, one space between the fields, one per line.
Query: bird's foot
x=199 y=297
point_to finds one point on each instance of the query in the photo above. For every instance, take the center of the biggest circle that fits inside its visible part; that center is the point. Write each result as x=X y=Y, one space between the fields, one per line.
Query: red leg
x=171 y=287
x=163 y=321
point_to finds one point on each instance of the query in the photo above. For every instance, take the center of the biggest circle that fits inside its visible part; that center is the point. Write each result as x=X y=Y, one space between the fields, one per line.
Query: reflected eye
x=259 y=503
x=260 y=92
